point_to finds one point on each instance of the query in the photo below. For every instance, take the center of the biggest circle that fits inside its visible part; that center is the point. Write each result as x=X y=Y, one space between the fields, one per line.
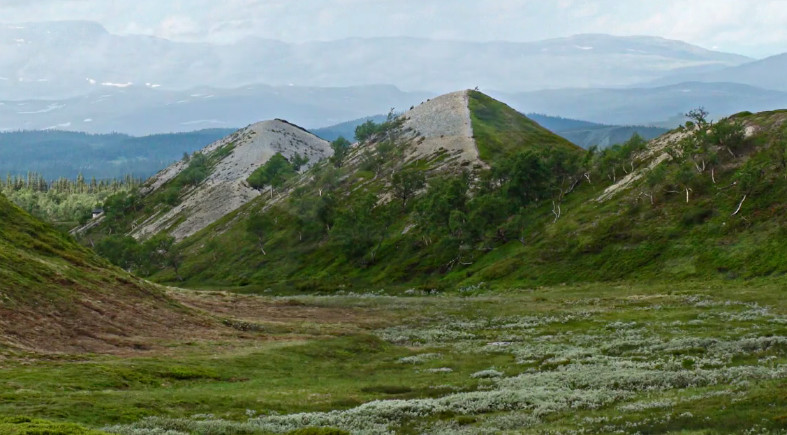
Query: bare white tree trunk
x=556 y=211
x=713 y=175
x=687 y=195
x=740 y=204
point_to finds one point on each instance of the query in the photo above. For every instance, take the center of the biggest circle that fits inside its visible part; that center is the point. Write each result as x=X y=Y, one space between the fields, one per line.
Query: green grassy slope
x=500 y=131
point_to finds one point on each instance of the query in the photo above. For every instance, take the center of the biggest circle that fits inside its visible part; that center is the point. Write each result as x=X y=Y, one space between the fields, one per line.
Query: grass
x=35 y=256
x=704 y=356
x=501 y=131
x=30 y=426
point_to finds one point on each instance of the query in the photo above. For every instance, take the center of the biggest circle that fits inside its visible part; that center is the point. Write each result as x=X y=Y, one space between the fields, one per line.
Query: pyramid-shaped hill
x=56 y=296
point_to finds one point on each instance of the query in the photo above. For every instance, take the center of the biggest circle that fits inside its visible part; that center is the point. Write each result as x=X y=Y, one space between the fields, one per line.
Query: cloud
x=179 y=27
x=756 y=27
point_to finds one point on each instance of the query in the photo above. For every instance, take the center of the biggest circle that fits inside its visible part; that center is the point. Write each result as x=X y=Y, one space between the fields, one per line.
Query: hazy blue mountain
x=646 y=106
x=57 y=60
x=139 y=110
x=55 y=154
x=610 y=135
x=767 y=73
x=559 y=123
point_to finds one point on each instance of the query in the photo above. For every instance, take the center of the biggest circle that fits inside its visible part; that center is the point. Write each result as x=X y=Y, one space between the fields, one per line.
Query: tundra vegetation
x=596 y=358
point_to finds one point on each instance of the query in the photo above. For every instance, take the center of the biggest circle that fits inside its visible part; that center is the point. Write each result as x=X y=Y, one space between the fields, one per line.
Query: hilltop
x=193 y=193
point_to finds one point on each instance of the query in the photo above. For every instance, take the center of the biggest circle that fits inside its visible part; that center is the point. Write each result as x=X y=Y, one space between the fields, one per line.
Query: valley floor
x=602 y=358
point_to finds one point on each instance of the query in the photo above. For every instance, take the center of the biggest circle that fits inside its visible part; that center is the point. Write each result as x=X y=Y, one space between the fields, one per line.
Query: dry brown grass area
x=94 y=322
x=253 y=308
x=156 y=322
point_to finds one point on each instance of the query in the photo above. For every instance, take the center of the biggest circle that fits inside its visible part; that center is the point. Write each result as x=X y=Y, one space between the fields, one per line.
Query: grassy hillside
x=56 y=295
x=328 y=228
x=544 y=212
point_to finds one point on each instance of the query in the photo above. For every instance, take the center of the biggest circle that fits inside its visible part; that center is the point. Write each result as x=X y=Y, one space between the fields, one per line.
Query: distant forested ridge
x=63 y=154
x=587 y=134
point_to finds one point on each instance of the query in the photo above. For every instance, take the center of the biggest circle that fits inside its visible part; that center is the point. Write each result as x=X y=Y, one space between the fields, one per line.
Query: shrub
x=319 y=431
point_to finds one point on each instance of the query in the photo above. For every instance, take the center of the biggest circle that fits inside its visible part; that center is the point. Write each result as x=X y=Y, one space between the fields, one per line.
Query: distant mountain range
x=77 y=76
x=766 y=73
x=145 y=111
x=141 y=111
x=587 y=134
x=57 y=60
x=636 y=106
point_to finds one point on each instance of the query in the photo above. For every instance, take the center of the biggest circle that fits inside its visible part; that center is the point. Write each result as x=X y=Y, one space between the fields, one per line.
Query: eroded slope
x=225 y=189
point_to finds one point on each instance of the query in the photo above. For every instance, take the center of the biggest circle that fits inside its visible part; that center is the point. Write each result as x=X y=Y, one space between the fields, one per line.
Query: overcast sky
x=756 y=28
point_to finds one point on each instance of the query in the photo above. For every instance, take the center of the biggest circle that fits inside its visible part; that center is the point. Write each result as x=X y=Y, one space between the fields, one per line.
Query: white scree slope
x=225 y=189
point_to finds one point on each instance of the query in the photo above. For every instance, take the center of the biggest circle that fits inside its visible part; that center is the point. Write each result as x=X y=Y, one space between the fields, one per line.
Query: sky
x=756 y=28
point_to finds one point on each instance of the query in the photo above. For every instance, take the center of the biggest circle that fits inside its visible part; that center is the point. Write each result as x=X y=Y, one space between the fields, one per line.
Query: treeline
x=35 y=182
x=63 y=200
